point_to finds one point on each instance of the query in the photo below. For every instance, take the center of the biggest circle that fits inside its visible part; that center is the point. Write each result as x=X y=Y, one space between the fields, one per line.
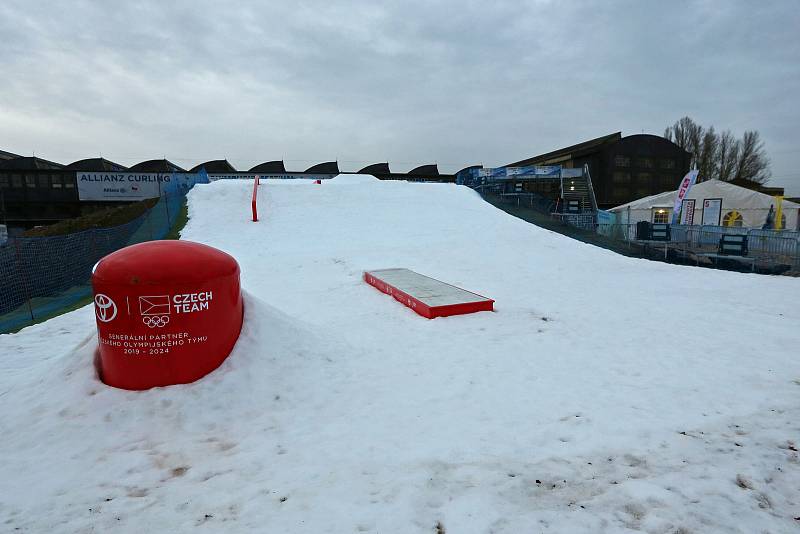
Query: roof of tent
x=734 y=196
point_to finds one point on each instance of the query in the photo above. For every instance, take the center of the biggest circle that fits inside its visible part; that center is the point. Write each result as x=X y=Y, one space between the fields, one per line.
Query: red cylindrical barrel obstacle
x=168 y=312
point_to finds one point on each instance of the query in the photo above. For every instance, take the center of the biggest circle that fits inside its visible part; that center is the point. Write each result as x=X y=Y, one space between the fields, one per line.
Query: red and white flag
x=683 y=190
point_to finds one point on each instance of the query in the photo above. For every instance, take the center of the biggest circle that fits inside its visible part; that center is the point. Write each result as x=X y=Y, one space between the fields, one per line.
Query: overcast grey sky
x=453 y=83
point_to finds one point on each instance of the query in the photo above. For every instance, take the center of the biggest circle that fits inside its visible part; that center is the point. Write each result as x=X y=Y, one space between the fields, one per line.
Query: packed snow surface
x=604 y=394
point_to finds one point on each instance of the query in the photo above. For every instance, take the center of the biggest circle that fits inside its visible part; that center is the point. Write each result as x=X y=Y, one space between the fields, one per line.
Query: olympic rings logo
x=155 y=321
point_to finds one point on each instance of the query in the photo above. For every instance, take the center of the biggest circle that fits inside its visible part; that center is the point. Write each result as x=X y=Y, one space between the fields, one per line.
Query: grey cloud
x=409 y=82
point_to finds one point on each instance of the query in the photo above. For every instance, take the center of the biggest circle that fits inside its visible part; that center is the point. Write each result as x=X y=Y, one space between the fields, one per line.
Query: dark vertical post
x=166 y=202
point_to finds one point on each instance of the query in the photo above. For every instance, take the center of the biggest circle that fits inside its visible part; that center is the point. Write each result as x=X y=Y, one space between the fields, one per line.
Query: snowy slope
x=604 y=394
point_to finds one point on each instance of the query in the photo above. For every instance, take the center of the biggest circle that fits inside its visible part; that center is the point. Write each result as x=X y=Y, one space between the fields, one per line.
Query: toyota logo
x=104 y=308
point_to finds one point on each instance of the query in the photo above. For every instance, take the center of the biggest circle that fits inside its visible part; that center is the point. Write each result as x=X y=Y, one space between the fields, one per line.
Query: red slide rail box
x=425 y=295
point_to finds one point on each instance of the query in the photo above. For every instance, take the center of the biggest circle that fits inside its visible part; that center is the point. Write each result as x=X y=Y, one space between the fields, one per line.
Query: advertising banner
x=712 y=210
x=683 y=189
x=687 y=211
x=122 y=186
x=133 y=186
x=501 y=173
x=285 y=176
x=606 y=217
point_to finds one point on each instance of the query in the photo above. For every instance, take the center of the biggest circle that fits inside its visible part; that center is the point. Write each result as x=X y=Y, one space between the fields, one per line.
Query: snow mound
x=604 y=394
x=348 y=179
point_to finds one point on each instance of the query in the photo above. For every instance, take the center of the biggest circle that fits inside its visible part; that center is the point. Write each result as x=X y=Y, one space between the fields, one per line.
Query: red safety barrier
x=168 y=312
x=254 y=203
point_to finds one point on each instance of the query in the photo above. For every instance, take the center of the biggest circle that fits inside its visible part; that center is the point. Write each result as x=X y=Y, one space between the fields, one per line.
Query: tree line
x=721 y=155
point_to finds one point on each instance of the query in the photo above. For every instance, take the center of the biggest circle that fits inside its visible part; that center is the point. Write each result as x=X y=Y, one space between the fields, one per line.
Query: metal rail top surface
x=428 y=290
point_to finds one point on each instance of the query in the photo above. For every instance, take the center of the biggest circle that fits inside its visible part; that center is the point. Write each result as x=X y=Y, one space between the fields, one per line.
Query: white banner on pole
x=686 y=184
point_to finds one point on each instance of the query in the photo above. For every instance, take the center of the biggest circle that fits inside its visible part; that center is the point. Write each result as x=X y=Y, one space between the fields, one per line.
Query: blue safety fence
x=41 y=276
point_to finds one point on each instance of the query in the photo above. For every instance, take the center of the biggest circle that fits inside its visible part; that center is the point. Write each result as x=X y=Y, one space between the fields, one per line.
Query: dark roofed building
x=156 y=165
x=570 y=153
x=270 y=167
x=328 y=167
x=425 y=170
x=467 y=169
x=376 y=169
x=622 y=169
x=36 y=191
x=29 y=164
x=96 y=165
x=214 y=166
x=8 y=155
x=426 y=173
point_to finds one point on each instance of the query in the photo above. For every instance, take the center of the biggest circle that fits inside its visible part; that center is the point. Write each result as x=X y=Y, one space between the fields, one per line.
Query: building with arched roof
x=328 y=167
x=96 y=165
x=156 y=165
x=622 y=169
x=376 y=169
x=270 y=167
x=8 y=155
x=214 y=165
x=36 y=191
x=427 y=173
x=425 y=170
x=29 y=163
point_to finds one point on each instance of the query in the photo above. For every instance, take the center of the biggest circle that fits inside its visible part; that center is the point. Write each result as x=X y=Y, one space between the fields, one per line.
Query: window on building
x=622 y=161
x=69 y=182
x=16 y=180
x=621 y=177
x=30 y=180
x=732 y=218
x=660 y=216
x=645 y=163
x=644 y=177
x=642 y=192
x=667 y=163
x=56 y=181
x=668 y=181
x=4 y=182
x=43 y=180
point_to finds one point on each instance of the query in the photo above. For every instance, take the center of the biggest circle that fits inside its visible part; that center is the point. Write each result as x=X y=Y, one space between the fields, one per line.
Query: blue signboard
x=606 y=217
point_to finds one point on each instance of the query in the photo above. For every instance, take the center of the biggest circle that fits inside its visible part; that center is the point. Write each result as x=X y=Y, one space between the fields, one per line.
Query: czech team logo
x=104 y=308
x=155 y=310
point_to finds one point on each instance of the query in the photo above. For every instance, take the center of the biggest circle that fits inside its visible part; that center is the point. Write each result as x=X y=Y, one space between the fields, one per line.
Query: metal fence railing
x=769 y=247
x=584 y=221
x=531 y=200
x=40 y=276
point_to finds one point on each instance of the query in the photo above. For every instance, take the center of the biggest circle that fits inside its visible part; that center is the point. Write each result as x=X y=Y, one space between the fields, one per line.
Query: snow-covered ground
x=604 y=394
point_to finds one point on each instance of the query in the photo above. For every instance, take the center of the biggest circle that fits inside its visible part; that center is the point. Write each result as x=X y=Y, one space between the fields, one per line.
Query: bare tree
x=707 y=162
x=721 y=156
x=752 y=164
x=727 y=156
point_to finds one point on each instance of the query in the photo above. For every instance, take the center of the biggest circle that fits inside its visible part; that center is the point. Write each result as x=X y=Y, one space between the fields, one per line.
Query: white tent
x=715 y=203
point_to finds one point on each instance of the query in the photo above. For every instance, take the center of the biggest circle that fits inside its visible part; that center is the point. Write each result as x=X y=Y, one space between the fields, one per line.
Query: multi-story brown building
x=622 y=168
